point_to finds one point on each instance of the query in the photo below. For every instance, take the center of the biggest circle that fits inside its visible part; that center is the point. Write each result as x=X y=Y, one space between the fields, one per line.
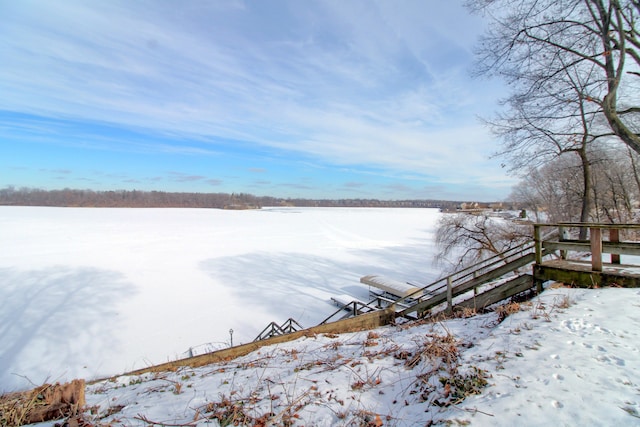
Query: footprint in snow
x=618 y=361
x=556 y=404
x=625 y=381
x=558 y=377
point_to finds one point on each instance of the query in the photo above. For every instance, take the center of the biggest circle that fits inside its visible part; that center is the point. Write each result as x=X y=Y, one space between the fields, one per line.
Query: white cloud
x=370 y=83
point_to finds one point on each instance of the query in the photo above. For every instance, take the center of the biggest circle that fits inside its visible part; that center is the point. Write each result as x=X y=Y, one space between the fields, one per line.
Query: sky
x=313 y=99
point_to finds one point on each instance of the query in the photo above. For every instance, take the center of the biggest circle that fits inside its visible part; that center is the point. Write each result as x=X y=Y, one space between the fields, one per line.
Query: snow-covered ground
x=568 y=358
x=95 y=292
x=91 y=292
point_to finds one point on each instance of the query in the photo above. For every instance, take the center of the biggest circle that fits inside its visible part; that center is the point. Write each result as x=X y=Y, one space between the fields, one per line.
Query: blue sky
x=317 y=99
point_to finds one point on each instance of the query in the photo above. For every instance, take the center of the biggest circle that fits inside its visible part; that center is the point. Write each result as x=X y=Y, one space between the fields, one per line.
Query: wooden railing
x=548 y=238
x=471 y=278
x=273 y=329
x=353 y=308
x=596 y=244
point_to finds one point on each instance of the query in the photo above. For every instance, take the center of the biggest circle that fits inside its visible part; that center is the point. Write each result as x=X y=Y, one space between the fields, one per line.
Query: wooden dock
x=508 y=274
x=605 y=245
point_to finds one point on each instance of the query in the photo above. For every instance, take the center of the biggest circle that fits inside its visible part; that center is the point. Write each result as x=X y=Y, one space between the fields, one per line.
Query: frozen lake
x=93 y=292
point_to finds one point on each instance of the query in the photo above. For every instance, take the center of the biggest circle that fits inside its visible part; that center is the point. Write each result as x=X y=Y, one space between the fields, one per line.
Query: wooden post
x=449 y=295
x=539 y=285
x=614 y=236
x=538 y=243
x=562 y=238
x=595 y=235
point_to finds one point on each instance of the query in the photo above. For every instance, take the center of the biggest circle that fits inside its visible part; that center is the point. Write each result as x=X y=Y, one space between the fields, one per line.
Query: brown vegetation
x=11 y=196
x=44 y=403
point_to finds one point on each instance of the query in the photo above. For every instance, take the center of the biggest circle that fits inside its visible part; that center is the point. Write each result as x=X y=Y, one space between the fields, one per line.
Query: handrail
x=274 y=329
x=355 y=303
x=460 y=288
x=471 y=270
x=589 y=225
x=595 y=245
x=461 y=280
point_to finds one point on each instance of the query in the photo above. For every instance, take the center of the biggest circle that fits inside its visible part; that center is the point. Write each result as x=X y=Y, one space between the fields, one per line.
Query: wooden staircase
x=515 y=271
x=478 y=286
x=273 y=329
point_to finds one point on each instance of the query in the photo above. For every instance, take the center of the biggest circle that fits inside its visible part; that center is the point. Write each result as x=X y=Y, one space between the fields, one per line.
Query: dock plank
x=580 y=273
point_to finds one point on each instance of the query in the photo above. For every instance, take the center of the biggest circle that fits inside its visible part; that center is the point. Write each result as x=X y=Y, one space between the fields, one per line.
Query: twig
x=473 y=411
x=291 y=405
x=155 y=423
x=27 y=378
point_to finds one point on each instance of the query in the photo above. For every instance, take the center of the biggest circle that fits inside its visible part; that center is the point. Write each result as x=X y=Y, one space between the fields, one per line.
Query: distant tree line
x=121 y=198
x=11 y=196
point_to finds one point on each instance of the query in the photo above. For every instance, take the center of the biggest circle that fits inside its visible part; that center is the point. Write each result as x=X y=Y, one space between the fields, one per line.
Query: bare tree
x=554 y=190
x=535 y=130
x=535 y=44
x=634 y=159
x=614 y=195
x=464 y=239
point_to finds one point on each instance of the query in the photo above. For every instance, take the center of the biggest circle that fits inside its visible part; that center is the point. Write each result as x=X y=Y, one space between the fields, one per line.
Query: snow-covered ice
x=94 y=292
x=81 y=287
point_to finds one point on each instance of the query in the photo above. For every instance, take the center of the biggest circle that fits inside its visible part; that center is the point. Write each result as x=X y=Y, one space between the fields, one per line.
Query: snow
x=96 y=292
x=568 y=357
x=569 y=366
x=392 y=286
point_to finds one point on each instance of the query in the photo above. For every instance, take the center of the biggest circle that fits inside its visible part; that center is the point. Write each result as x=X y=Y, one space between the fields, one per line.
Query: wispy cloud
x=357 y=84
x=57 y=171
x=354 y=184
x=257 y=170
x=182 y=177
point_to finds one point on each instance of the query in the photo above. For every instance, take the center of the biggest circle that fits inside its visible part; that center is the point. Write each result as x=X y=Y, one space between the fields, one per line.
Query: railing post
x=562 y=238
x=449 y=295
x=538 y=243
x=614 y=236
x=595 y=236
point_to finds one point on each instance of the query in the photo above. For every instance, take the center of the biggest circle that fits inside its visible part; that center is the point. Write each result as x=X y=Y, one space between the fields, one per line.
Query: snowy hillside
x=570 y=357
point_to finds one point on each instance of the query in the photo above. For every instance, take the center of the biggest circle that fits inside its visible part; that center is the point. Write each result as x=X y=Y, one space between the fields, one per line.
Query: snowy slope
x=570 y=357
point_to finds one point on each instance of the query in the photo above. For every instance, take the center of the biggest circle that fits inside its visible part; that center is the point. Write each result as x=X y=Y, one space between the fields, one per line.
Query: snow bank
x=570 y=357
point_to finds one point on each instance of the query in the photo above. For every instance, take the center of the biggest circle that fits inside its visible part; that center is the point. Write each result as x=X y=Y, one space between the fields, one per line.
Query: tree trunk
x=612 y=23
x=634 y=167
x=587 y=194
x=626 y=135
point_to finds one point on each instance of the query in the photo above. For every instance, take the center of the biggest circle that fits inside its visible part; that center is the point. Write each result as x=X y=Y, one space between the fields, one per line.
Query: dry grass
x=14 y=408
x=506 y=310
x=44 y=403
x=563 y=302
